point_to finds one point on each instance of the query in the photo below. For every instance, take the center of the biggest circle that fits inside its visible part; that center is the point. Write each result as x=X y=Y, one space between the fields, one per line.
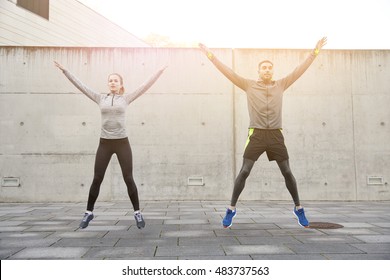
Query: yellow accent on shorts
x=250 y=132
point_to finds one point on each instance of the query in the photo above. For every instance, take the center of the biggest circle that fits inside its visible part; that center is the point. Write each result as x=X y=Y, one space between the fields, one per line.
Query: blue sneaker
x=228 y=220
x=300 y=214
x=86 y=219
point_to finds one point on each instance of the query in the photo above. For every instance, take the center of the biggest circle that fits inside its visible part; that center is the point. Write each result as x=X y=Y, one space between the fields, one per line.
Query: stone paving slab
x=27 y=242
x=237 y=257
x=102 y=227
x=256 y=240
x=79 y=234
x=15 y=235
x=140 y=242
x=6 y=253
x=349 y=231
x=194 y=241
x=321 y=248
x=86 y=242
x=382 y=225
x=181 y=251
x=49 y=253
x=6 y=224
x=295 y=231
x=120 y=252
x=289 y=257
x=12 y=228
x=385 y=231
x=328 y=239
x=381 y=248
x=187 y=222
x=256 y=249
x=242 y=232
x=188 y=233
x=357 y=256
x=374 y=238
x=192 y=230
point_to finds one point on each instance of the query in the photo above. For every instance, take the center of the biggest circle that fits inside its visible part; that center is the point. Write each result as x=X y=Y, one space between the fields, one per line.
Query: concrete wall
x=191 y=126
x=70 y=23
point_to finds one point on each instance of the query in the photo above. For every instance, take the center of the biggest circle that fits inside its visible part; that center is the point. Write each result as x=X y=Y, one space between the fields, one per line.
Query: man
x=265 y=98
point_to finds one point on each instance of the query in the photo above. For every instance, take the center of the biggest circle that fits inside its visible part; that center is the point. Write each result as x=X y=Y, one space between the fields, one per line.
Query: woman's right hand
x=59 y=65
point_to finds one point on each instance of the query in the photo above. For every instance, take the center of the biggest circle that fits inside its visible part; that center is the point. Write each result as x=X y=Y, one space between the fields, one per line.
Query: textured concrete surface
x=191 y=230
x=189 y=130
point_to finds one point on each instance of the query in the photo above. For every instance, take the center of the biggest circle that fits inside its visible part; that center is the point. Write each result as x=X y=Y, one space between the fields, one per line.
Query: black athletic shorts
x=270 y=141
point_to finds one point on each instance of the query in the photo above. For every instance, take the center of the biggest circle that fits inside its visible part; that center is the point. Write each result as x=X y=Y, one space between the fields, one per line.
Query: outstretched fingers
x=204 y=48
x=58 y=65
x=321 y=43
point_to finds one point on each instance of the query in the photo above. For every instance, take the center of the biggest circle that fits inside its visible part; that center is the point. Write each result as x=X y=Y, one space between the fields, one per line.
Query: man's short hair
x=264 y=61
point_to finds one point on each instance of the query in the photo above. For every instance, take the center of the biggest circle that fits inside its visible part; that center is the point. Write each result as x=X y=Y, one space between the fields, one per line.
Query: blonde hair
x=122 y=89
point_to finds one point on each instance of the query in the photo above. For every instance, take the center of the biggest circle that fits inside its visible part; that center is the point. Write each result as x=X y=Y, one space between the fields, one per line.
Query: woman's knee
x=131 y=187
x=97 y=180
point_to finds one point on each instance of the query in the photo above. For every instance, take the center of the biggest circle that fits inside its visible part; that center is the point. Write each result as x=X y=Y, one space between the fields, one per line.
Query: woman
x=113 y=138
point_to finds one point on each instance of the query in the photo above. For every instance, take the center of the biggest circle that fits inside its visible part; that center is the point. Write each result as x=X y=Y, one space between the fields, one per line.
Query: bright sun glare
x=255 y=23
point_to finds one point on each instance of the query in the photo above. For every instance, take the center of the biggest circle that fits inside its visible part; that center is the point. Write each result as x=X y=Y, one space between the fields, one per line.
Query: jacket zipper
x=112 y=100
x=267 y=106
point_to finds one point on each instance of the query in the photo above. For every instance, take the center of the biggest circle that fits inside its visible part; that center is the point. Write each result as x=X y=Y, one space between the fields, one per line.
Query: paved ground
x=192 y=230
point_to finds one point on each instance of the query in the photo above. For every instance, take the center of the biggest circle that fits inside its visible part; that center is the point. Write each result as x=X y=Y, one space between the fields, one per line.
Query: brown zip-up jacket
x=264 y=101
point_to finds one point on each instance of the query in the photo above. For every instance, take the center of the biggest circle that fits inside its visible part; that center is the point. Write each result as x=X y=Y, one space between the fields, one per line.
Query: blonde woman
x=113 y=137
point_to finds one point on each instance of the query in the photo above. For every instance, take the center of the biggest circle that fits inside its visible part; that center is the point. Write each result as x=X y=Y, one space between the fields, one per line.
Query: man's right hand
x=204 y=49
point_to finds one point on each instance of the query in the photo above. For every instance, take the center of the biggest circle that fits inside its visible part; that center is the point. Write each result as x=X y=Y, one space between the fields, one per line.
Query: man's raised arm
x=225 y=70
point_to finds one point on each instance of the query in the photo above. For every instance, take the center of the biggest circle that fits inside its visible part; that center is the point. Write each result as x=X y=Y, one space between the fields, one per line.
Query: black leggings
x=247 y=165
x=108 y=147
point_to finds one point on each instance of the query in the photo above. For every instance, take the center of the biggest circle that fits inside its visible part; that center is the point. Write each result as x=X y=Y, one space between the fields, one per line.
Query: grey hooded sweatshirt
x=112 y=106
